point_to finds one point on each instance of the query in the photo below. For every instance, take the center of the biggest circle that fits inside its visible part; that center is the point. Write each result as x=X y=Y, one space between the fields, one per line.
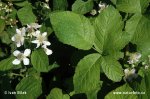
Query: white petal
x=16 y=53
x=27 y=52
x=22 y=39
x=18 y=31
x=34 y=34
x=48 y=51
x=26 y=61
x=44 y=46
x=23 y=30
x=126 y=71
x=18 y=44
x=16 y=62
x=38 y=45
x=46 y=43
x=37 y=33
x=132 y=71
x=38 y=26
x=13 y=38
x=44 y=34
x=35 y=41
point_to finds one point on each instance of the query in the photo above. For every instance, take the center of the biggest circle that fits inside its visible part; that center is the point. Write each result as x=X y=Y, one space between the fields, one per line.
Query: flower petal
x=23 y=31
x=37 y=33
x=16 y=53
x=16 y=62
x=28 y=26
x=133 y=71
x=13 y=38
x=48 y=51
x=27 y=52
x=46 y=43
x=18 y=31
x=18 y=44
x=26 y=61
x=35 y=41
x=126 y=71
x=44 y=34
x=38 y=45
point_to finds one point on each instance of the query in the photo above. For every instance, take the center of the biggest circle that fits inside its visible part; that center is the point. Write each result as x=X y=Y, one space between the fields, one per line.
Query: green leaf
x=87 y=74
x=73 y=29
x=120 y=93
x=114 y=1
x=6 y=64
x=22 y=4
x=26 y=15
x=56 y=93
x=40 y=60
x=109 y=35
x=5 y=37
x=138 y=27
x=29 y=85
x=132 y=6
x=82 y=7
x=60 y=4
x=112 y=68
x=46 y=26
x=54 y=65
x=2 y=25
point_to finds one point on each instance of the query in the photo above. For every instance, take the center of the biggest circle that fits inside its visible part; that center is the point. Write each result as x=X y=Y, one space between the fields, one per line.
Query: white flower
x=46 y=5
x=47 y=51
x=21 y=57
x=46 y=0
x=102 y=6
x=146 y=66
x=41 y=39
x=130 y=74
x=33 y=26
x=93 y=12
x=31 y=29
x=134 y=58
x=18 y=38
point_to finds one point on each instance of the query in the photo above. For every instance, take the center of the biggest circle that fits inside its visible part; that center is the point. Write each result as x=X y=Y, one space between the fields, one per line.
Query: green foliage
x=86 y=78
x=125 y=88
x=131 y=6
x=40 y=60
x=26 y=15
x=138 y=27
x=6 y=64
x=28 y=85
x=112 y=68
x=73 y=29
x=82 y=7
x=109 y=37
x=56 y=93
x=2 y=25
x=60 y=4
x=75 y=49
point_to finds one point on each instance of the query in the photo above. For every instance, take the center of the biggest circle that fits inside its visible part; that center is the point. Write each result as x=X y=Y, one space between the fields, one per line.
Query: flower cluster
x=6 y=7
x=134 y=58
x=5 y=10
x=32 y=33
x=101 y=7
x=130 y=74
